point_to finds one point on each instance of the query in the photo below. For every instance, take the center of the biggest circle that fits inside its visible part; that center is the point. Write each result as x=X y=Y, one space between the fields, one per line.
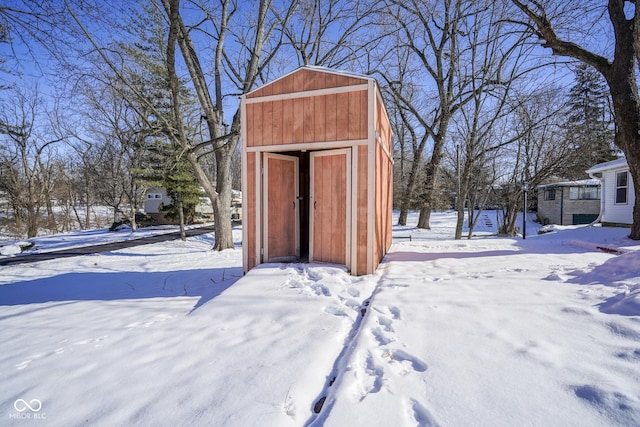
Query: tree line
x=483 y=96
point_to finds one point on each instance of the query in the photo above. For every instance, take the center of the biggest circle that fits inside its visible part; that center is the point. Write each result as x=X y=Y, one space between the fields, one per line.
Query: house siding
x=561 y=211
x=620 y=213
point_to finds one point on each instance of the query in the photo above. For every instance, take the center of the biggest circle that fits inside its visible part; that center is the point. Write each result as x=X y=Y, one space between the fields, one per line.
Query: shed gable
x=309 y=106
x=306 y=79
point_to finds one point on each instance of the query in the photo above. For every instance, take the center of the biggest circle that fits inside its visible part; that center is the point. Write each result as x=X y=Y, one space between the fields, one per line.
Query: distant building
x=569 y=203
x=153 y=202
x=618 y=195
x=157 y=197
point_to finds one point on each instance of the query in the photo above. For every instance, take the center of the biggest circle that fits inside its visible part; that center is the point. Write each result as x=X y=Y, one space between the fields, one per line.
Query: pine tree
x=589 y=122
x=185 y=193
x=166 y=165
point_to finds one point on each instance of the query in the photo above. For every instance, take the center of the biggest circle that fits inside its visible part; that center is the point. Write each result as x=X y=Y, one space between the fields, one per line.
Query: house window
x=622 y=186
x=584 y=193
x=154 y=196
x=550 y=194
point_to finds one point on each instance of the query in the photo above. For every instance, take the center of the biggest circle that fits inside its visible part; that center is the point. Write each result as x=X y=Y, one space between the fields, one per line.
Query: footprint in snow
x=402 y=362
x=385 y=324
x=353 y=292
x=334 y=311
x=420 y=414
x=379 y=336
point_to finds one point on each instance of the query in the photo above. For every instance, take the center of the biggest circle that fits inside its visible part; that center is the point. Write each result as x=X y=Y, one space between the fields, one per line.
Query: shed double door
x=330 y=206
x=281 y=218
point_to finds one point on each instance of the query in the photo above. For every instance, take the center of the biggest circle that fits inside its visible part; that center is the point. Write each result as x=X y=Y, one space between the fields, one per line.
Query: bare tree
x=27 y=160
x=255 y=46
x=330 y=33
x=496 y=62
x=619 y=70
x=533 y=148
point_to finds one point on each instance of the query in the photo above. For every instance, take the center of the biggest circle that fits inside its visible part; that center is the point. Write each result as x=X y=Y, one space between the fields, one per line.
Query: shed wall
x=309 y=119
x=249 y=222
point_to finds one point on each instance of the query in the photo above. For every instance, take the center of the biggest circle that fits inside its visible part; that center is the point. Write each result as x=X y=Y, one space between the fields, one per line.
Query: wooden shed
x=316 y=171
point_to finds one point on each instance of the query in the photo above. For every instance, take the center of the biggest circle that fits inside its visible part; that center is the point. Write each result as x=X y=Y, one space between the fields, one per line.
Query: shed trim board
x=371 y=206
x=244 y=184
x=308 y=146
x=386 y=151
x=307 y=93
x=354 y=216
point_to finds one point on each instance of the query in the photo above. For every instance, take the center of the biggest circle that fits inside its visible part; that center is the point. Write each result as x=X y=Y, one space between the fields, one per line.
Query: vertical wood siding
x=361 y=210
x=311 y=119
x=250 y=220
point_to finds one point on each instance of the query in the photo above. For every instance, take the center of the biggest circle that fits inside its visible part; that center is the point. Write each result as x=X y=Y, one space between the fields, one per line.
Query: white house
x=617 y=192
x=155 y=197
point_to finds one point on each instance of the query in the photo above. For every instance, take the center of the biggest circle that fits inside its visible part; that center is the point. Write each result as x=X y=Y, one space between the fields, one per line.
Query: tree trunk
x=183 y=233
x=51 y=219
x=431 y=174
x=626 y=106
x=222 y=205
x=460 y=219
x=407 y=193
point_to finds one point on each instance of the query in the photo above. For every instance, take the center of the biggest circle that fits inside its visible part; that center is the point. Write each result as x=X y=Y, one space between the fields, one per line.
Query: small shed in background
x=317 y=171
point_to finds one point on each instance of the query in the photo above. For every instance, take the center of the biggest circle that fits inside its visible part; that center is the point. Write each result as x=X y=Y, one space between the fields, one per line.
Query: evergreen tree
x=589 y=123
x=166 y=165
x=185 y=193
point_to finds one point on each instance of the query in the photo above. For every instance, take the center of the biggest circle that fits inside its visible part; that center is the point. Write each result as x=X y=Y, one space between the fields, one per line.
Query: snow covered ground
x=483 y=332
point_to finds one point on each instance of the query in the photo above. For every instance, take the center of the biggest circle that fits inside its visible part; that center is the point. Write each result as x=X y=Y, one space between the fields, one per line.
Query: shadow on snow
x=109 y=286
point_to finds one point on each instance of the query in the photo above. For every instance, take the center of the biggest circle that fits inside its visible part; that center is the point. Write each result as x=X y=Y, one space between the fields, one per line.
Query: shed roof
x=349 y=78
